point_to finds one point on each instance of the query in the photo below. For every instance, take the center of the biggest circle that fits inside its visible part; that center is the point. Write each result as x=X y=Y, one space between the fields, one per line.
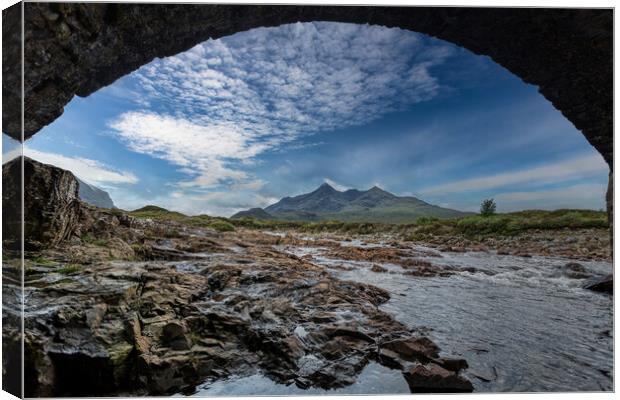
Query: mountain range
x=373 y=205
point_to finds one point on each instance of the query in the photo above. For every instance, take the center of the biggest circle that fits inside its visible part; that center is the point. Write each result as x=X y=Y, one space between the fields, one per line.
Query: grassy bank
x=203 y=221
x=507 y=224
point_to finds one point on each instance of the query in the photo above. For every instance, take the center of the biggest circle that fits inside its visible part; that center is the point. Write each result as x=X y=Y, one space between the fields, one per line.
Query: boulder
x=603 y=285
x=378 y=268
x=575 y=270
x=413 y=349
x=51 y=203
x=432 y=378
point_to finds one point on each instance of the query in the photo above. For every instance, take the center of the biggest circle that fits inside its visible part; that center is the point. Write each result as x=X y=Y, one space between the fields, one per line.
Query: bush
x=221 y=226
x=494 y=224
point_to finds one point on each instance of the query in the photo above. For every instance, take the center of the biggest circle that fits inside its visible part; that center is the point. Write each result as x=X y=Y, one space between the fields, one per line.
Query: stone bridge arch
x=75 y=49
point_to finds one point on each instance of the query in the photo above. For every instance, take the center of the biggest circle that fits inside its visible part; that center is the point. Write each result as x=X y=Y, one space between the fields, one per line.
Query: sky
x=247 y=119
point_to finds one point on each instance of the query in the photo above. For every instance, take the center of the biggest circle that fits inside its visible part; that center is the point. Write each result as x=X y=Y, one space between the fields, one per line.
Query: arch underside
x=76 y=49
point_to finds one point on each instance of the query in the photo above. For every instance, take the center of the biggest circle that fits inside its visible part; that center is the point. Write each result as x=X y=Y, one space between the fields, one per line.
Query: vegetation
x=42 y=261
x=161 y=214
x=88 y=238
x=515 y=223
x=222 y=226
x=69 y=269
x=495 y=224
x=487 y=208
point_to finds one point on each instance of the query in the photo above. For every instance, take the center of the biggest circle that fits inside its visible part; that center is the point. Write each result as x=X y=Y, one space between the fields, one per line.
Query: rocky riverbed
x=522 y=323
x=207 y=306
x=252 y=312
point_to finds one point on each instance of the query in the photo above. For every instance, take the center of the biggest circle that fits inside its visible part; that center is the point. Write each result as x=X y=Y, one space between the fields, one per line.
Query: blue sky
x=245 y=120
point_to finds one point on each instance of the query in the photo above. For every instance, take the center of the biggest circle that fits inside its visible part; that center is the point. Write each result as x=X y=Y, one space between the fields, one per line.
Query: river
x=523 y=324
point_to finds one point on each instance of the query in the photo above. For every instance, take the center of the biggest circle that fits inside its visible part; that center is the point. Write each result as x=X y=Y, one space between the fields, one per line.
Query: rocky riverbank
x=587 y=244
x=118 y=305
x=577 y=244
x=227 y=304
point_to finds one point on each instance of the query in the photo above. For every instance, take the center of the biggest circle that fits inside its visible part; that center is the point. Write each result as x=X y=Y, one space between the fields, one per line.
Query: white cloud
x=201 y=150
x=251 y=185
x=578 y=196
x=216 y=203
x=88 y=170
x=558 y=171
x=224 y=102
x=336 y=185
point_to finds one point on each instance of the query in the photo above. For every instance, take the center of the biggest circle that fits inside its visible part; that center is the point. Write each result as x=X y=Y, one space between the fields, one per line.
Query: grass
x=222 y=226
x=69 y=269
x=512 y=223
x=161 y=214
x=42 y=261
x=88 y=238
x=499 y=224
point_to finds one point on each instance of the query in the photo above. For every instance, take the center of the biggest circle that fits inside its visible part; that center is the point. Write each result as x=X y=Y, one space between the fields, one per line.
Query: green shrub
x=221 y=226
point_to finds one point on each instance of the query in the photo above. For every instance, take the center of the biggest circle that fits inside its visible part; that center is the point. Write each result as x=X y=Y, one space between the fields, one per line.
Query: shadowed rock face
x=75 y=49
x=51 y=204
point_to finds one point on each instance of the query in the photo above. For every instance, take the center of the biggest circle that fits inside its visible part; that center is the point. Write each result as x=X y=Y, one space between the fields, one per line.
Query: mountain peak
x=326 y=187
x=328 y=203
x=377 y=190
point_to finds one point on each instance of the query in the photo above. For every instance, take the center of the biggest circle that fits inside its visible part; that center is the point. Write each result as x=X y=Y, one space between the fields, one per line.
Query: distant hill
x=256 y=213
x=95 y=196
x=373 y=205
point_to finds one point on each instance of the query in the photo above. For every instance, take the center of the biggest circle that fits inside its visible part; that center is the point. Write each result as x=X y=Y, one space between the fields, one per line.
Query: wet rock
x=413 y=349
x=173 y=335
x=378 y=268
x=432 y=378
x=603 y=285
x=390 y=359
x=575 y=270
x=452 y=364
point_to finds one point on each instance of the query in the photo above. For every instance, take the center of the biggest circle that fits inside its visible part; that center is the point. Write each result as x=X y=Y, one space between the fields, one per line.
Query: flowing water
x=523 y=324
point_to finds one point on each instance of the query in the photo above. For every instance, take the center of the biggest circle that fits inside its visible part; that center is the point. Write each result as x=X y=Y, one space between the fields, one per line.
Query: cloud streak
x=576 y=196
x=88 y=170
x=559 y=171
